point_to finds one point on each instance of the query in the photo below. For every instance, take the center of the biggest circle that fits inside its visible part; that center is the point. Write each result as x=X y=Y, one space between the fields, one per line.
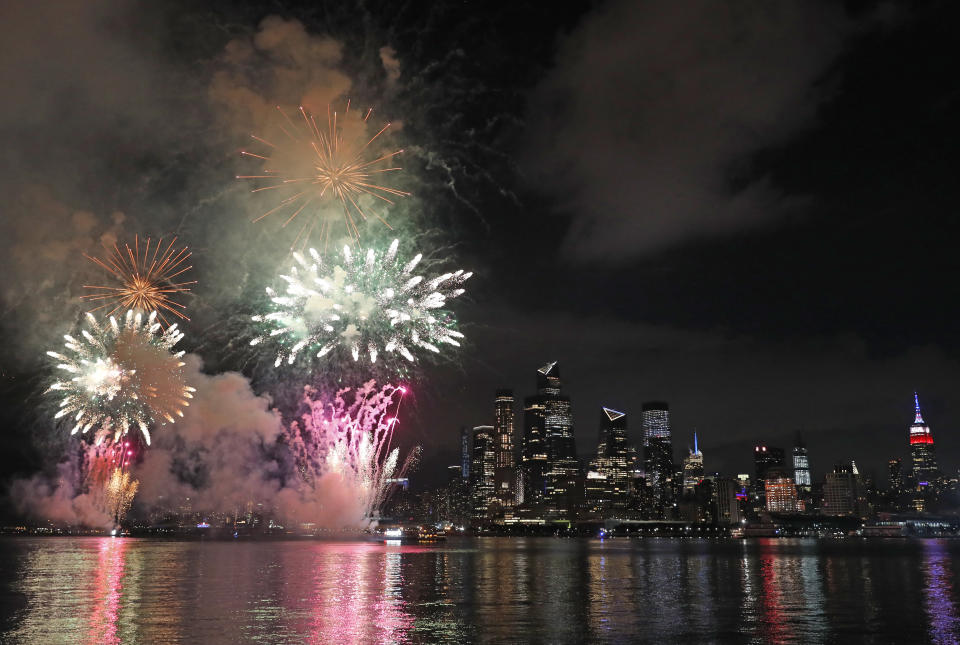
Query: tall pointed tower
x=923 y=456
x=692 y=468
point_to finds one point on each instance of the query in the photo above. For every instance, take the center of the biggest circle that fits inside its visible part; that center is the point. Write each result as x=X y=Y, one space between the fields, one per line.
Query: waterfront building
x=727 y=500
x=658 y=455
x=482 y=471
x=551 y=471
x=780 y=491
x=503 y=423
x=534 y=455
x=608 y=484
x=562 y=477
x=843 y=492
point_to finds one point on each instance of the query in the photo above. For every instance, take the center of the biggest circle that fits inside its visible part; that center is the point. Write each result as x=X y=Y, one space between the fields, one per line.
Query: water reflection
x=478 y=590
x=356 y=595
x=107 y=592
x=939 y=593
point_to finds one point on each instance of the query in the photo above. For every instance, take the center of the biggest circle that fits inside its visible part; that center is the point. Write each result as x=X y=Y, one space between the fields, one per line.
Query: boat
x=412 y=535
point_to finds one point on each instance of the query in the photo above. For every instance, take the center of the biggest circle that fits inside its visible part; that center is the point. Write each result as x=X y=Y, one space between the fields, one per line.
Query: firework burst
x=369 y=306
x=314 y=162
x=350 y=437
x=122 y=375
x=145 y=281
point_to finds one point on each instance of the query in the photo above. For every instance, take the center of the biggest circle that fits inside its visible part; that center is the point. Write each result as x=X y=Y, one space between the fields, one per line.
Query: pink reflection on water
x=358 y=594
x=108 y=590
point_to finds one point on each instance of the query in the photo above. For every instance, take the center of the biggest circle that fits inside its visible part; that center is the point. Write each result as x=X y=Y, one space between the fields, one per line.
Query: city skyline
x=731 y=457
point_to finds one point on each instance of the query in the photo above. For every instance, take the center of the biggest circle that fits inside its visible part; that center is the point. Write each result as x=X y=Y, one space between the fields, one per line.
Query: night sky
x=748 y=211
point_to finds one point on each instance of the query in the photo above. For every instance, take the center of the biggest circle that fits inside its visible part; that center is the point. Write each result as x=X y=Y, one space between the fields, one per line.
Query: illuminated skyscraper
x=534 y=455
x=563 y=469
x=780 y=491
x=801 y=466
x=503 y=423
x=922 y=454
x=895 y=475
x=692 y=468
x=610 y=476
x=505 y=478
x=655 y=420
x=482 y=470
x=658 y=453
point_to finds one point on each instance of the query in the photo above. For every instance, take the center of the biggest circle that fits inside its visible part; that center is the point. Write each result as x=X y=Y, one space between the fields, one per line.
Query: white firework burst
x=369 y=306
x=122 y=376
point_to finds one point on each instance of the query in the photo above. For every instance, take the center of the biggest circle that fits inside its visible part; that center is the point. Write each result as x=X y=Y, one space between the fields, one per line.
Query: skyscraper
x=657 y=453
x=922 y=454
x=780 y=490
x=801 y=465
x=611 y=472
x=655 y=420
x=466 y=451
x=692 y=468
x=557 y=417
x=505 y=477
x=534 y=454
x=895 y=476
x=503 y=423
x=563 y=469
x=764 y=458
x=482 y=470
x=843 y=492
x=728 y=506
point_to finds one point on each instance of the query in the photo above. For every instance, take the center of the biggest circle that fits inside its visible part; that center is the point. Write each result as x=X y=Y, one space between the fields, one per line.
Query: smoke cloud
x=61 y=499
x=645 y=129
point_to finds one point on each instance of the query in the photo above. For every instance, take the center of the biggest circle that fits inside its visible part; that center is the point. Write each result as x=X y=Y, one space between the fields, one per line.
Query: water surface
x=104 y=590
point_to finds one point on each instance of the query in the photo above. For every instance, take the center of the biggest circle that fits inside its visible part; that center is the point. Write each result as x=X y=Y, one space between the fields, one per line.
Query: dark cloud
x=645 y=129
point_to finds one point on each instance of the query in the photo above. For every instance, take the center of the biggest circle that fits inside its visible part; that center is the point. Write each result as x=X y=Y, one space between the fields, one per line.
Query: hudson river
x=548 y=590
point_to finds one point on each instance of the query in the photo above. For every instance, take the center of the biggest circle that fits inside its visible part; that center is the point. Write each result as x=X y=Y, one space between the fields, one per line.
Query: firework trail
x=121 y=489
x=121 y=376
x=110 y=484
x=350 y=438
x=312 y=163
x=146 y=280
x=368 y=305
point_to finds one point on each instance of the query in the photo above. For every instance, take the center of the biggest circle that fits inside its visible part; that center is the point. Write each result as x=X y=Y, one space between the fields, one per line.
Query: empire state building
x=925 y=471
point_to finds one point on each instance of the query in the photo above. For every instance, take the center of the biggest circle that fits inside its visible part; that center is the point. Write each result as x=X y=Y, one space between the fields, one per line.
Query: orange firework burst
x=147 y=279
x=317 y=163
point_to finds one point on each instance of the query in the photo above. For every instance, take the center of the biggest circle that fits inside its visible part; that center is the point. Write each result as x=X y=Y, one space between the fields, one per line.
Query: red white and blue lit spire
x=919 y=431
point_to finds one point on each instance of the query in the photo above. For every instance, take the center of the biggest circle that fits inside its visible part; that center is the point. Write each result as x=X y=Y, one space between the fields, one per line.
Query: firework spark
x=369 y=305
x=351 y=438
x=120 y=491
x=122 y=375
x=312 y=163
x=146 y=280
